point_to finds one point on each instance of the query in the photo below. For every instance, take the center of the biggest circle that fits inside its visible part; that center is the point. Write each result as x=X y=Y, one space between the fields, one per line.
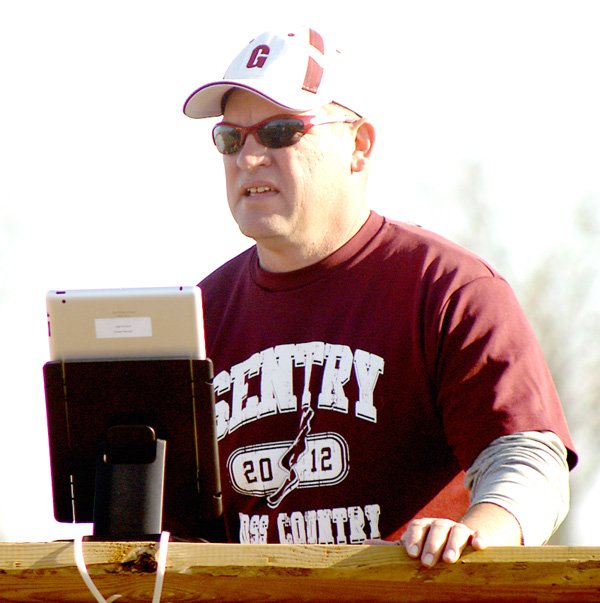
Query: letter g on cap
x=258 y=57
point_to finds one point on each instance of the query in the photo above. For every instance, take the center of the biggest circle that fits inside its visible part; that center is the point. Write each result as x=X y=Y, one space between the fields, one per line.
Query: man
x=373 y=381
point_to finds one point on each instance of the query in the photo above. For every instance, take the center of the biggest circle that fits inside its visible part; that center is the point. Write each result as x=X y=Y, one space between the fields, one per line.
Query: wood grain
x=221 y=572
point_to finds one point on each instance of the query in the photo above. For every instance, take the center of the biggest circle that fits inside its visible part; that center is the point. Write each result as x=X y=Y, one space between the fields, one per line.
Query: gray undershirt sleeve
x=527 y=474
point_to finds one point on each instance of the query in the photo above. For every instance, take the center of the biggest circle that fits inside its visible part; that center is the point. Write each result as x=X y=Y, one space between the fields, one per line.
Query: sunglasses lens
x=274 y=134
x=279 y=133
x=227 y=139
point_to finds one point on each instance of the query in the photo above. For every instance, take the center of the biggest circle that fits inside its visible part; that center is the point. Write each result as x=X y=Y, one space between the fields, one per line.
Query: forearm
x=492 y=526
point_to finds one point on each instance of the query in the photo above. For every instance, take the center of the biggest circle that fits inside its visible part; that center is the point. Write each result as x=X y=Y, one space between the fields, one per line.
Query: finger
x=446 y=539
x=435 y=542
x=414 y=537
x=459 y=536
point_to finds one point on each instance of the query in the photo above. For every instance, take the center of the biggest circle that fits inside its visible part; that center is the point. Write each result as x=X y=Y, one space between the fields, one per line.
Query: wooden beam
x=222 y=572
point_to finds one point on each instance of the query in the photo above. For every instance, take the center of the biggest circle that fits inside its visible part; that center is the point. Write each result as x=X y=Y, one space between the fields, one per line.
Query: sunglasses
x=274 y=132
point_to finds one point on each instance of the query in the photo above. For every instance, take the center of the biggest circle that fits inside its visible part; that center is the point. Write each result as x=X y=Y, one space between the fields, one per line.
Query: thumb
x=478 y=541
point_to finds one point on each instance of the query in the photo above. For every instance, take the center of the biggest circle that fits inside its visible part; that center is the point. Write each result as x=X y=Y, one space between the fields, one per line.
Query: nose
x=253 y=154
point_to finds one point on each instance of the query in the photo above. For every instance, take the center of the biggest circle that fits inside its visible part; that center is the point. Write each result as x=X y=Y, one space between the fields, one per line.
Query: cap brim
x=206 y=101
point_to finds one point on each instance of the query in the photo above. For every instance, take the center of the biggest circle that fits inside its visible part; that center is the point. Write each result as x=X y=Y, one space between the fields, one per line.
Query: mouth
x=253 y=191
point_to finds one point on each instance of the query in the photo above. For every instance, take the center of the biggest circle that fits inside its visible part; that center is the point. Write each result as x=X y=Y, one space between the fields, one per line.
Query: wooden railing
x=220 y=572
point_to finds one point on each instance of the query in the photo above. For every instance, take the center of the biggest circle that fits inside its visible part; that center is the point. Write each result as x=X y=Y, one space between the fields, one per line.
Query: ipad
x=155 y=322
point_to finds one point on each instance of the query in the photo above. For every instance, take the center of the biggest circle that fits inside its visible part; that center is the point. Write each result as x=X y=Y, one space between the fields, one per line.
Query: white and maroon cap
x=295 y=69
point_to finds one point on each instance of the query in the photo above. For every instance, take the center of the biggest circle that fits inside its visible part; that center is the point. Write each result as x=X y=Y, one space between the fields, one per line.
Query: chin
x=261 y=226
x=257 y=229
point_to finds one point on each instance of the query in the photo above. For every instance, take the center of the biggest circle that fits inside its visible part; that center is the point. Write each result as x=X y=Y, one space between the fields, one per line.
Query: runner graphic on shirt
x=289 y=460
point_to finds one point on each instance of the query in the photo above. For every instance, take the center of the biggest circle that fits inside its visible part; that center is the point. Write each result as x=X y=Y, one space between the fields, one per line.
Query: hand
x=483 y=525
x=435 y=538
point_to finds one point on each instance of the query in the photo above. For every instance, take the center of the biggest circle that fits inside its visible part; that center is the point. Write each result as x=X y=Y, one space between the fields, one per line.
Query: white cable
x=161 y=566
x=83 y=571
x=160 y=570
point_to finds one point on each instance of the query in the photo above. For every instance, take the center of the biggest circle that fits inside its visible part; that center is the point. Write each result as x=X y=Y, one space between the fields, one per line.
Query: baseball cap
x=296 y=69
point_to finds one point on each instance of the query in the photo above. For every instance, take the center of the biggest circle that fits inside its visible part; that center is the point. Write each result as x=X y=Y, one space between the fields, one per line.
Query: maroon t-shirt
x=352 y=394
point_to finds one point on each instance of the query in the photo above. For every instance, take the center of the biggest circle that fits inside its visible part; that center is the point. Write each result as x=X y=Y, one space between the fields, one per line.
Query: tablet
x=154 y=322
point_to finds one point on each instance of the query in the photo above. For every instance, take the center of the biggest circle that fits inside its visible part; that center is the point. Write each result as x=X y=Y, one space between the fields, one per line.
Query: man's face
x=293 y=199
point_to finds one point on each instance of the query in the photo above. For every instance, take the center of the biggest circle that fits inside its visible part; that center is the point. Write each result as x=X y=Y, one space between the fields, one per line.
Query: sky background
x=104 y=182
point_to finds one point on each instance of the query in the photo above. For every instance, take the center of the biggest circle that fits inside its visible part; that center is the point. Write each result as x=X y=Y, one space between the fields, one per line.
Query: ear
x=364 y=140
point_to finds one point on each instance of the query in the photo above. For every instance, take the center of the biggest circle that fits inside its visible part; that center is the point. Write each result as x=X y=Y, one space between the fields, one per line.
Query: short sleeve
x=491 y=376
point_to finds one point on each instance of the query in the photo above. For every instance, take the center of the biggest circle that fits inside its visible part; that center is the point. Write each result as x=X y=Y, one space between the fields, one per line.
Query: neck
x=287 y=256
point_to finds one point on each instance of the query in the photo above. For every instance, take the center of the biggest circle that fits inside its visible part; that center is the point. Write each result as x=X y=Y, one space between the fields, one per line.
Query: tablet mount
x=130 y=481
x=133 y=446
